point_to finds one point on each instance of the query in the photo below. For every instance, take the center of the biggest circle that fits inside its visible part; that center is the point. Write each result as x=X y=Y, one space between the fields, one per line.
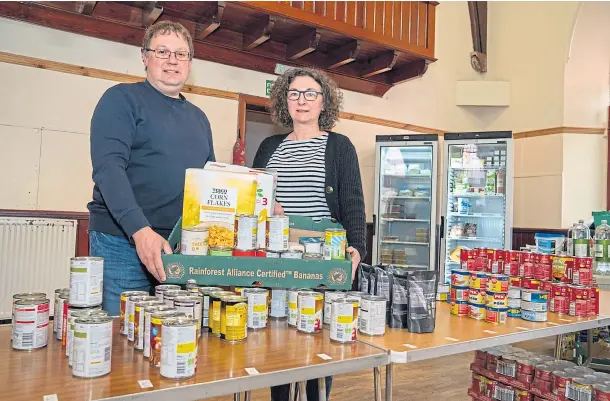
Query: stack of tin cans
x=534 y=305
x=480 y=295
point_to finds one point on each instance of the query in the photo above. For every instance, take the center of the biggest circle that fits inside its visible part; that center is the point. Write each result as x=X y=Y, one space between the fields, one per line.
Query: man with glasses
x=143 y=137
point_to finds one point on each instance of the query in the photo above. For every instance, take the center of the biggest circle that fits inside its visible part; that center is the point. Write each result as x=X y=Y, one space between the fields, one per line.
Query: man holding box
x=143 y=138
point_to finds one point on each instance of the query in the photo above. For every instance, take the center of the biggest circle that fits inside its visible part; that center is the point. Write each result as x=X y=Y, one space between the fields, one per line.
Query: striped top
x=301 y=168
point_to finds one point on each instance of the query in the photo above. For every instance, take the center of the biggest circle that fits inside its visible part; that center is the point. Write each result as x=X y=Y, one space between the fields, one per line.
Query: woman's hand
x=355 y=260
x=278 y=210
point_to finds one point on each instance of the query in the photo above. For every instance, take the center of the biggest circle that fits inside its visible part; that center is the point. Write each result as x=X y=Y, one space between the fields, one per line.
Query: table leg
x=377 y=383
x=558 y=343
x=322 y=389
x=247 y=396
x=303 y=391
x=236 y=396
x=388 y=382
x=589 y=347
x=292 y=393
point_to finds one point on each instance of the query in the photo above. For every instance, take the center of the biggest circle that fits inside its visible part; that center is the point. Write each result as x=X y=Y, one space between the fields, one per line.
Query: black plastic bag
x=422 y=286
x=399 y=299
x=364 y=276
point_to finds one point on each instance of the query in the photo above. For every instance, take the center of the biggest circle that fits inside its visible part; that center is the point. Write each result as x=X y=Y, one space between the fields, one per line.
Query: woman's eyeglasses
x=309 y=95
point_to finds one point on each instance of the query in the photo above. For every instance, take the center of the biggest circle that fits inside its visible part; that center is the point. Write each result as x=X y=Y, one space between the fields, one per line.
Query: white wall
x=258 y=127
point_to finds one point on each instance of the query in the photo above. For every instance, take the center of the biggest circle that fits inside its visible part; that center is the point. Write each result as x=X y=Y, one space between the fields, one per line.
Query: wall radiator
x=34 y=257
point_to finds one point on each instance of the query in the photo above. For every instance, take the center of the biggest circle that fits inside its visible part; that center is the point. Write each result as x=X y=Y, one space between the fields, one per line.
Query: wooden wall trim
x=48 y=214
x=559 y=130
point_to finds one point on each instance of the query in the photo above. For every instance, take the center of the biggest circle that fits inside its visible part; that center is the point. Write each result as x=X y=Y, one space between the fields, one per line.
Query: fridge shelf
x=420 y=198
x=406 y=243
x=476 y=195
x=411 y=266
x=483 y=215
x=407 y=175
x=496 y=240
x=478 y=168
x=405 y=220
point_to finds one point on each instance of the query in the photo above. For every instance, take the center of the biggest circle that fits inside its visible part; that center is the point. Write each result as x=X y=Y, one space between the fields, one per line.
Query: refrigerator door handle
x=374 y=224
x=442 y=227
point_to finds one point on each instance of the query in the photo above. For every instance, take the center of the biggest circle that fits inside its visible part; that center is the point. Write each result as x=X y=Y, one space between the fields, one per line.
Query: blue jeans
x=282 y=393
x=123 y=270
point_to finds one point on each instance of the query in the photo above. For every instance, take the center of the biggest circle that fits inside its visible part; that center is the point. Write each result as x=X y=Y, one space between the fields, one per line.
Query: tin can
x=460 y=278
x=496 y=315
x=546 y=286
x=329 y=298
x=92 y=347
x=335 y=240
x=579 y=308
x=278 y=230
x=170 y=295
x=86 y=281
x=273 y=255
x=221 y=251
x=558 y=289
x=62 y=300
x=234 y=319
x=525 y=366
x=30 y=295
x=515 y=281
x=544 y=372
x=514 y=292
x=532 y=316
x=156 y=334
x=279 y=303
x=215 y=310
x=56 y=305
x=578 y=292
x=160 y=290
x=246 y=228
x=66 y=336
x=466 y=259
x=514 y=302
x=138 y=321
x=496 y=299
x=514 y=311
x=251 y=253
x=261 y=253
x=563 y=267
x=535 y=296
x=477 y=311
x=594 y=301
x=497 y=283
x=534 y=306
x=291 y=254
x=560 y=305
x=476 y=297
x=511 y=266
x=497 y=261
x=527 y=270
x=148 y=312
x=478 y=281
x=543 y=268
x=580 y=388
x=192 y=307
x=190 y=284
x=195 y=241
x=179 y=348
x=31 y=330
x=583 y=276
x=309 y=318
x=84 y=313
x=460 y=294
x=124 y=318
x=131 y=313
x=258 y=300
x=293 y=310
x=372 y=315
x=459 y=308
x=583 y=263
x=530 y=284
x=205 y=292
x=344 y=320
x=601 y=392
x=313 y=256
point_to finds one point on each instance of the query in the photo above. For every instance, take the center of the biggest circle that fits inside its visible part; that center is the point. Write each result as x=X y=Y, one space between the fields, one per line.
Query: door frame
x=244 y=103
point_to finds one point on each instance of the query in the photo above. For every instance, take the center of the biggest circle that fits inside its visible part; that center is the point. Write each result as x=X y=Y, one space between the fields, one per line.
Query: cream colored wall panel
x=537 y=202
x=538 y=156
x=19 y=167
x=65 y=171
x=224 y=155
x=482 y=93
x=368 y=188
x=222 y=114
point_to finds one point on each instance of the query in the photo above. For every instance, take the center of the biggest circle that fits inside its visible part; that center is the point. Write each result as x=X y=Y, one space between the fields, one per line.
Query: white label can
x=138 y=343
x=69 y=323
x=86 y=281
x=246 y=228
x=310 y=305
x=70 y=329
x=179 y=348
x=31 y=324
x=344 y=320
x=279 y=303
x=192 y=307
x=329 y=297
x=64 y=299
x=205 y=292
x=56 y=305
x=293 y=310
x=194 y=241
x=148 y=312
x=160 y=290
x=92 y=347
x=278 y=230
x=372 y=315
x=131 y=314
x=258 y=308
x=24 y=295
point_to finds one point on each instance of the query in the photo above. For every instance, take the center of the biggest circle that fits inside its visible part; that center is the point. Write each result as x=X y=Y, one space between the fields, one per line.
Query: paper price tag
x=490 y=332
x=252 y=371
x=145 y=383
x=452 y=339
x=324 y=356
x=410 y=346
x=49 y=397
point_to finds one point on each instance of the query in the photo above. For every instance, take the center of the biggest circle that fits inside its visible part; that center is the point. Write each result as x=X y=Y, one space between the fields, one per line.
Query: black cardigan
x=343 y=184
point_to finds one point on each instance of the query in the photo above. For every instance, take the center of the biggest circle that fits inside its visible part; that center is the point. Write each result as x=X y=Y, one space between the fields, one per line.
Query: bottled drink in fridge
x=581 y=240
x=569 y=243
x=602 y=242
x=500 y=182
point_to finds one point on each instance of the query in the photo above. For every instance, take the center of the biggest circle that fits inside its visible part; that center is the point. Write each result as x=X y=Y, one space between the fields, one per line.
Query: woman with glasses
x=318 y=171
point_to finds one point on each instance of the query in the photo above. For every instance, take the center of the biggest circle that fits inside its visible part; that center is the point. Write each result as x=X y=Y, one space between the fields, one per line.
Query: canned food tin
x=460 y=278
x=261 y=253
x=344 y=320
x=544 y=372
x=527 y=270
x=160 y=290
x=251 y=253
x=138 y=321
x=497 y=283
x=215 y=304
x=279 y=303
x=313 y=256
x=511 y=268
x=192 y=307
x=372 y=315
x=273 y=255
x=578 y=292
x=179 y=348
x=92 y=347
x=534 y=306
x=195 y=241
x=558 y=289
x=467 y=259
x=459 y=308
x=601 y=392
x=478 y=281
x=28 y=295
x=190 y=284
x=514 y=312
x=131 y=313
x=535 y=296
x=309 y=318
x=221 y=251
x=580 y=388
x=84 y=313
x=234 y=318
x=525 y=366
x=148 y=312
x=477 y=311
x=169 y=296
x=530 y=284
x=66 y=336
x=514 y=302
x=496 y=315
x=514 y=292
x=335 y=241
x=63 y=300
x=156 y=334
x=278 y=230
x=594 y=303
x=546 y=286
x=292 y=254
x=31 y=330
x=476 y=297
x=496 y=299
x=293 y=310
x=583 y=370
x=533 y=316
x=86 y=281
x=329 y=298
x=460 y=294
x=515 y=282
x=205 y=292
x=56 y=305
x=579 y=308
x=246 y=228
x=258 y=309
x=124 y=318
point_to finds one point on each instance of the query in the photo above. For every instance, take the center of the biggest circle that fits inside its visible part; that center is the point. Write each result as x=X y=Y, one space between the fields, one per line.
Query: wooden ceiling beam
x=344 y=55
x=207 y=27
x=151 y=13
x=85 y=7
x=414 y=69
x=380 y=64
x=303 y=45
x=259 y=33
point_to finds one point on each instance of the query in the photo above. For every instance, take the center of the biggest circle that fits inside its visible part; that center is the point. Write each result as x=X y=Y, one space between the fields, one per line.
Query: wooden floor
x=445 y=379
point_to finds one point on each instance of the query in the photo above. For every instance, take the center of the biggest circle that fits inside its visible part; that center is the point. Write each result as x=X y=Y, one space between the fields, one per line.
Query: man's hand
x=149 y=245
x=355 y=260
x=278 y=210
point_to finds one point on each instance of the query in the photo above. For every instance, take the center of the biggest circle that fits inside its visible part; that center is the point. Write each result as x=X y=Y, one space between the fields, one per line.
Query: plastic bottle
x=569 y=243
x=602 y=253
x=581 y=240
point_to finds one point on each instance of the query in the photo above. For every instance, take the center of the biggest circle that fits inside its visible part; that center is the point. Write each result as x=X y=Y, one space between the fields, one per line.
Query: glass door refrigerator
x=477 y=209
x=405 y=201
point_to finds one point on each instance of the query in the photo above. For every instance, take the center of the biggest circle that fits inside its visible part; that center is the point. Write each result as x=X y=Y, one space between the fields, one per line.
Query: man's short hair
x=164 y=28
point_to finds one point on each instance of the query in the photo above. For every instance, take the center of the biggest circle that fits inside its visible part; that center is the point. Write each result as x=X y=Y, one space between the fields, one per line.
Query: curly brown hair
x=332 y=96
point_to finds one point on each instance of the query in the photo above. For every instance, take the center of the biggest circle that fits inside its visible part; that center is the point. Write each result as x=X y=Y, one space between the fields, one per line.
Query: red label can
x=542 y=385
x=583 y=263
x=522 y=395
x=560 y=304
x=464 y=256
x=477 y=386
x=515 y=281
x=601 y=392
x=578 y=292
x=558 y=289
x=546 y=286
x=562 y=268
x=579 y=308
x=583 y=276
x=524 y=378
x=527 y=270
x=530 y=284
x=595 y=300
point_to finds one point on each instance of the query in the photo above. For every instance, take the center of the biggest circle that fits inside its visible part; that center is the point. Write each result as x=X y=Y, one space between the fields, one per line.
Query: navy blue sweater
x=141 y=144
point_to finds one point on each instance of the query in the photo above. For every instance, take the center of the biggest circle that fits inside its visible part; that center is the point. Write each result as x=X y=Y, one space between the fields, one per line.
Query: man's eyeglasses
x=309 y=95
x=181 y=55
